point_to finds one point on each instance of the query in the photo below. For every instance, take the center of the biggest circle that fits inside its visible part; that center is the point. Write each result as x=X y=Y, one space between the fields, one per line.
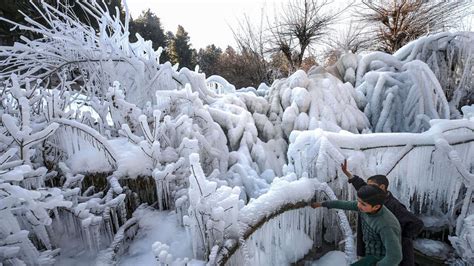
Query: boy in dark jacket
x=381 y=230
x=411 y=226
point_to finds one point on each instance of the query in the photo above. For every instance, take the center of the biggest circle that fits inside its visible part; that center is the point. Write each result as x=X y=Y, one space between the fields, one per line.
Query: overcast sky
x=206 y=21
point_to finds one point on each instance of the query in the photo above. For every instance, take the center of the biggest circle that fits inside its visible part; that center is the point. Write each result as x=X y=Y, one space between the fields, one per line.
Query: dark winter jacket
x=410 y=224
x=381 y=231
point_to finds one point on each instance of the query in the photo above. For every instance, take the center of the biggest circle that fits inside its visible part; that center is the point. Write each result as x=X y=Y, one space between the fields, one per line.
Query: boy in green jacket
x=380 y=228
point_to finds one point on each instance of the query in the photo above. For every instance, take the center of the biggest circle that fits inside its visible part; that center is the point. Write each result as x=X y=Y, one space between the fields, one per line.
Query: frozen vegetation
x=93 y=128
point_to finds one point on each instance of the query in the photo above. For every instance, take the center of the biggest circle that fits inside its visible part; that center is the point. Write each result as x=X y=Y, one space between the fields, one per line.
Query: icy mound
x=405 y=158
x=331 y=258
x=315 y=100
x=468 y=111
x=432 y=248
x=451 y=58
x=400 y=97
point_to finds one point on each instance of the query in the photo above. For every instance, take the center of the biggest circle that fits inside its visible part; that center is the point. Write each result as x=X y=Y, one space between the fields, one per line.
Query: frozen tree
x=93 y=61
x=399 y=96
x=270 y=225
x=27 y=209
x=180 y=126
x=213 y=211
x=450 y=57
x=18 y=125
x=314 y=100
x=78 y=102
x=463 y=242
x=412 y=163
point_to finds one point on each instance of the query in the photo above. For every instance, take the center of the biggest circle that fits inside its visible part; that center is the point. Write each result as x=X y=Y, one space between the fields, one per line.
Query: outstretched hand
x=315 y=205
x=344 y=169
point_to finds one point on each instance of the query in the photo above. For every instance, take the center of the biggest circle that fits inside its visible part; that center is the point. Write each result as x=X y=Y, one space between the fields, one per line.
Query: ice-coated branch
x=23 y=136
x=256 y=218
x=96 y=137
x=70 y=46
x=212 y=212
x=7 y=155
x=119 y=244
x=412 y=160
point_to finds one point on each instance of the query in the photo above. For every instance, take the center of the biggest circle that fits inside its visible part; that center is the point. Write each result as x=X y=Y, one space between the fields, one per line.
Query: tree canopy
x=394 y=23
x=180 y=51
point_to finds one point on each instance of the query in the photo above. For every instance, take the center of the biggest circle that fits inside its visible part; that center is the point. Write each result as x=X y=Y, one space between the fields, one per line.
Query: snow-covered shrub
x=26 y=212
x=213 y=211
x=25 y=127
x=464 y=241
x=451 y=58
x=94 y=61
x=399 y=96
x=219 y=84
x=121 y=111
x=314 y=100
x=344 y=69
x=180 y=126
x=70 y=95
x=290 y=226
x=412 y=162
x=32 y=119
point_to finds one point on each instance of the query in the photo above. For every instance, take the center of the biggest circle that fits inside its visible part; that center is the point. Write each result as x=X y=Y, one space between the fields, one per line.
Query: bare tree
x=251 y=43
x=300 y=25
x=396 y=22
x=350 y=39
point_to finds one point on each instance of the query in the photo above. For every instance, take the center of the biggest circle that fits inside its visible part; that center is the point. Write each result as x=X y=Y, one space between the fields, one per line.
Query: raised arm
x=356 y=181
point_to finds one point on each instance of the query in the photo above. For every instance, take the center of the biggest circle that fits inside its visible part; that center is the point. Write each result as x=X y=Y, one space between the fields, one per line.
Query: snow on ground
x=70 y=256
x=159 y=226
x=242 y=141
x=131 y=161
x=432 y=248
x=331 y=258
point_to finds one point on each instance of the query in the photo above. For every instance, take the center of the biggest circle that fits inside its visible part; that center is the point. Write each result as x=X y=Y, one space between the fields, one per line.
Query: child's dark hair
x=372 y=195
x=379 y=180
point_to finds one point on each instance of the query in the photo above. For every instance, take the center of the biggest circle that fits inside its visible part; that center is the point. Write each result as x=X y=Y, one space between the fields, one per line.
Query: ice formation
x=92 y=125
x=403 y=157
x=314 y=100
x=212 y=213
x=265 y=229
x=219 y=84
x=432 y=248
x=450 y=57
x=464 y=241
x=399 y=96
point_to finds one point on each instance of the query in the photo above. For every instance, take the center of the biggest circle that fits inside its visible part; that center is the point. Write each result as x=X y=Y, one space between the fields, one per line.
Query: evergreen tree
x=208 y=59
x=180 y=50
x=148 y=25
